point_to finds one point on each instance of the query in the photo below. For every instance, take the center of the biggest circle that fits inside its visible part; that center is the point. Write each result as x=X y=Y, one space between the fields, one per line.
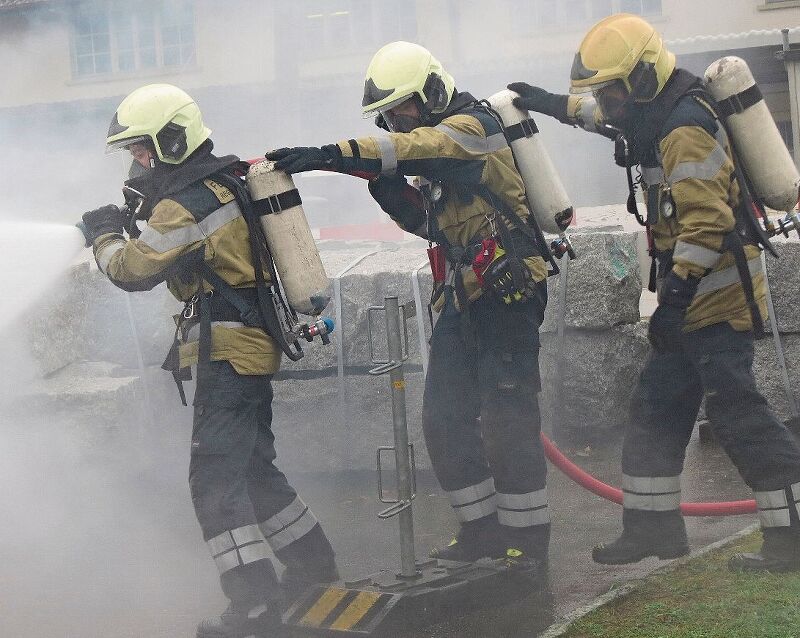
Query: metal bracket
x=407 y=311
x=381 y=495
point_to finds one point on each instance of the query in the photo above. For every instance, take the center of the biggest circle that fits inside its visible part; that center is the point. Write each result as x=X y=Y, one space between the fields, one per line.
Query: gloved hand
x=666 y=325
x=494 y=268
x=534 y=98
x=299 y=159
x=103 y=220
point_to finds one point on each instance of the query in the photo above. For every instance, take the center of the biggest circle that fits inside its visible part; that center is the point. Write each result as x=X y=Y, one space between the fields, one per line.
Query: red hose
x=614 y=494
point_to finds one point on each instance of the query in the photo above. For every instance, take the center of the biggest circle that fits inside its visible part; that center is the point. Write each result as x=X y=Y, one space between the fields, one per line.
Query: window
x=532 y=15
x=348 y=26
x=642 y=7
x=123 y=37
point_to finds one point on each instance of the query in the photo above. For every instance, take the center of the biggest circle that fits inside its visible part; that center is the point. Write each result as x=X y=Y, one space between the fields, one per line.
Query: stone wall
x=84 y=338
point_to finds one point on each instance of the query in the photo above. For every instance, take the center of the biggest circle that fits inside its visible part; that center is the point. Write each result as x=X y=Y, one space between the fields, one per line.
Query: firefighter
x=480 y=408
x=195 y=232
x=711 y=294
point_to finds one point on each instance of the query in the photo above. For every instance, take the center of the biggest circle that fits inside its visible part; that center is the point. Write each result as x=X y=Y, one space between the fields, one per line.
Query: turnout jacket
x=467 y=154
x=201 y=220
x=690 y=160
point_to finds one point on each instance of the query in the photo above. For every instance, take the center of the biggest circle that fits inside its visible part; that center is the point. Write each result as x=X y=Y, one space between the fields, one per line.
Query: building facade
x=268 y=73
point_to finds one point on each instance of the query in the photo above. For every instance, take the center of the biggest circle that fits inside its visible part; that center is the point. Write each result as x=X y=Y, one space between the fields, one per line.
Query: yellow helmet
x=163 y=115
x=401 y=70
x=624 y=48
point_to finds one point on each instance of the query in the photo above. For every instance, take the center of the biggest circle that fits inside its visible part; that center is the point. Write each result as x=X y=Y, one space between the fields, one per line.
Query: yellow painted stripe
x=355 y=611
x=319 y=610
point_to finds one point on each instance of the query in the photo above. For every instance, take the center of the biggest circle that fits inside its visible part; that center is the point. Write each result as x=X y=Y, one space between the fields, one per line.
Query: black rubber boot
x=309 y=561
x=527 y=545
x=644 y=533
x=243 y=619
x=780 y=552
x=478 y=539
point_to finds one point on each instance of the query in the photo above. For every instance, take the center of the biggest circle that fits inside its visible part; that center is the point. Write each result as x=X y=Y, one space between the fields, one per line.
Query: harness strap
x=739 y=102
x=277 y=203
x=733 y=242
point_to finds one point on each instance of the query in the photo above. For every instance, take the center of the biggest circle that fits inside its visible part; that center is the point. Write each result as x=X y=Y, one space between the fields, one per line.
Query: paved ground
x=99 y=546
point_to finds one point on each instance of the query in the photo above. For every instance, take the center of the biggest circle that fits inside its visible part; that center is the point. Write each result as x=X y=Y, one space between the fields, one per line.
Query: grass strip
x=702 y=599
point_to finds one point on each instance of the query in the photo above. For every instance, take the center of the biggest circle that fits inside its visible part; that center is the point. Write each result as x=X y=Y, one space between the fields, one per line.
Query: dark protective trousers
x=244 y=504
x=487 y=368
x=716 y=362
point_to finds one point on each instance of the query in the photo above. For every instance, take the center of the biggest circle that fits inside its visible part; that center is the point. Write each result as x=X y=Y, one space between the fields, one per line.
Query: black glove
x=534 y=98
x=299 y=159
x=666 y=325
x=101 y=221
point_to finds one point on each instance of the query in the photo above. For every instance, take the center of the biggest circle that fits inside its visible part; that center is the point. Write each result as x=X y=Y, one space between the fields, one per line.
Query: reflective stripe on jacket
x=693 y=163
x=466 y=151
x=202 y=217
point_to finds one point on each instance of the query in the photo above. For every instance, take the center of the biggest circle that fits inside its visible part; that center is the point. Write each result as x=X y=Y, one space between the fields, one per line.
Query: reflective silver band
x=290 y=524
x=773 y=506
x=652 y=175
x=771 y=500
x=237 y=547
x=192 y=233
x=474 y=143
x=695 y=254
x=529 y=518
x=523 y=510
x=529 y=500
x=705 y=170
x=106 y=254
x=476 y=510
x=774 y=518
x=726 y=277
x=472 y=493
x=388 y=155
x=194 y=331
x=587 y=111
x=651 y=493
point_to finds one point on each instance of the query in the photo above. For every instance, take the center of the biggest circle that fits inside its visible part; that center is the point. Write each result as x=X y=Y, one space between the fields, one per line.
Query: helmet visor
x=125 y=144
x=141 y=154
x=613 y=98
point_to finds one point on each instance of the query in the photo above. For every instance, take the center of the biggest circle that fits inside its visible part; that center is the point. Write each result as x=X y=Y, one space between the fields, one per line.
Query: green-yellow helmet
x=401 y=70
x=624 y=48
x=162 y=115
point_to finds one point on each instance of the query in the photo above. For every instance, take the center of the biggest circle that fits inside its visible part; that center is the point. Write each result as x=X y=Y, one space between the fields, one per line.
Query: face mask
x=400 y=123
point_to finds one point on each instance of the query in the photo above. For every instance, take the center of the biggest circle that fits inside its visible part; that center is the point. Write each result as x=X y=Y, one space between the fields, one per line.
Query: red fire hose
x=614 y=494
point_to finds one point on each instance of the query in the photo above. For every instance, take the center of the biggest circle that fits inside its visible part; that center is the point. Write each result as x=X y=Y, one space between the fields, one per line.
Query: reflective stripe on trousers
x=774 y=507
x=237 y=547
x=651 y=493
x=290 y=524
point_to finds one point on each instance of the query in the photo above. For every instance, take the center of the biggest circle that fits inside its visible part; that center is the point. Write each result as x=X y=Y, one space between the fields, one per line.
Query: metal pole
x=423 y=342
x=561 y=349
x=776 y=337
x=402 y=458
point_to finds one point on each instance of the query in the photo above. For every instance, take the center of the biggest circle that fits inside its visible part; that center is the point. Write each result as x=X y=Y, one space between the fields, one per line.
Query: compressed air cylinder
x=759 y=145
x=277 y=202
x=547 y=197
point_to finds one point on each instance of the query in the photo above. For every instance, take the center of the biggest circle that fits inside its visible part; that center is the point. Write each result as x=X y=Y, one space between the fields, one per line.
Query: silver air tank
x=289 y=238
x=547 y=196
x=758 y=143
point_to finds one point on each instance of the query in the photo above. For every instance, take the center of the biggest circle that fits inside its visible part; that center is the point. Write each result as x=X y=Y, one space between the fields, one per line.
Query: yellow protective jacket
x=691 y=162
x=464 y=153
x=202 y=220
